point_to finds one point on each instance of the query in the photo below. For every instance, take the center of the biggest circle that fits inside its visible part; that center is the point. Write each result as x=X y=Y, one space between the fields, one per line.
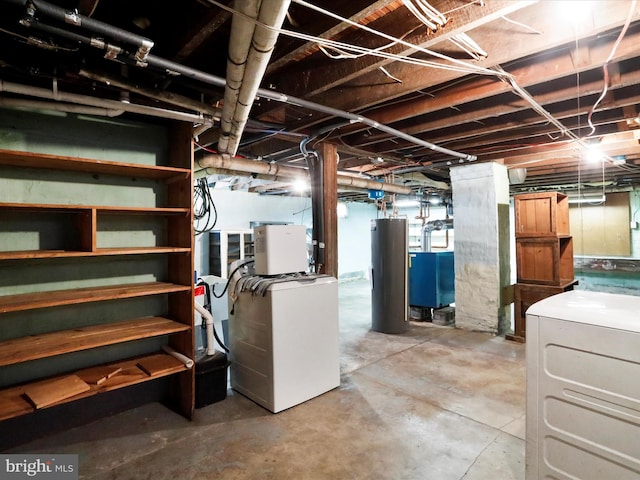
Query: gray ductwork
x=427 y=228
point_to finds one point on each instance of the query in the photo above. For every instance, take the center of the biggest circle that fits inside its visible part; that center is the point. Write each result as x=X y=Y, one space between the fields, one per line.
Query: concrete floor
x=434 y=403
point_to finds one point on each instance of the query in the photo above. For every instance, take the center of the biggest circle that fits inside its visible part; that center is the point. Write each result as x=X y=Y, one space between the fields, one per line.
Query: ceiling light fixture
x=407 y=203
x=300 y=186
x=593 y=155
x=574 y=11
x=588 y=199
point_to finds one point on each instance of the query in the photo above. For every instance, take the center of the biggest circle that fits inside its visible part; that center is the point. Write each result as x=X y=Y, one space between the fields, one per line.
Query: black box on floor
x=211 y=379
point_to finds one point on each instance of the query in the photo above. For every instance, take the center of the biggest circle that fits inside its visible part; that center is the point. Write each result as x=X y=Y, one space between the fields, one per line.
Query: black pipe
x=89 y=23
x=170 y=66
x=75 y=37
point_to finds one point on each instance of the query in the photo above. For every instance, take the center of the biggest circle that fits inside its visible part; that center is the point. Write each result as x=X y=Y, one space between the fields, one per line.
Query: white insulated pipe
x=208 y=318
x=272 y=12
x=256 y=60
x=100 y=102
x=58 y=107
x=225 y=162
x=240 y=37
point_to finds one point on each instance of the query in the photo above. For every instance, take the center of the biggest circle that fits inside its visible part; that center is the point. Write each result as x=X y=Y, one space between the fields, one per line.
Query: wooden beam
x=314 y=82
x=551 y=67
x=196 y=38
x=374 y=88
x=329 y=154
x=467 y=136
x=362 y=17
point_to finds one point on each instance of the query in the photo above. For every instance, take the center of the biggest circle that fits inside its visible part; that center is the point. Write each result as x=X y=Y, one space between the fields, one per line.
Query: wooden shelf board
x=13 y=402
x=56 y=162
x=106 y=209
x=66 y=341
x=28 y=254
x=29 y=301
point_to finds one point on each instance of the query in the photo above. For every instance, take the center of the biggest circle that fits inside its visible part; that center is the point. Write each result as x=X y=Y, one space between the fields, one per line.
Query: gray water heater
x=389 y=253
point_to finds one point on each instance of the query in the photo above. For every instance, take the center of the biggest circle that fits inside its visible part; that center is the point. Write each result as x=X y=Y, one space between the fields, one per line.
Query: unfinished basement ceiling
x=519 y=82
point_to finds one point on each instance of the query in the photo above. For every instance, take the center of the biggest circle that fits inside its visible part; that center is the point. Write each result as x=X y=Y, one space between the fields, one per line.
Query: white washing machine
x=583 y=387
x=284 y=345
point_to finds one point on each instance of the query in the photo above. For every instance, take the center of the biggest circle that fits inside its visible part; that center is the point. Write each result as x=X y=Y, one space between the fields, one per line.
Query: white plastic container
x=280 y=249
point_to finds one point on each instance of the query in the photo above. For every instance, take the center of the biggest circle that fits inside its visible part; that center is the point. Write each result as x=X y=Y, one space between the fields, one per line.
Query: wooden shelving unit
x=171 y=254
x=544 y=252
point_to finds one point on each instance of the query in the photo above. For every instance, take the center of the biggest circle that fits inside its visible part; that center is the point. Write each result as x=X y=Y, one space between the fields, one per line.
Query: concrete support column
x=481 y=251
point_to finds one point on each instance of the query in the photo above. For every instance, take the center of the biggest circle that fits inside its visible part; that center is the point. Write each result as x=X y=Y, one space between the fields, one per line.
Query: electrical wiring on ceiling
x=428 y=15
x=341 y=54
x=434 y=19
x=465 y=65
x=498 y=71
x=525 y=26
x=456 y=65
x=605 y=66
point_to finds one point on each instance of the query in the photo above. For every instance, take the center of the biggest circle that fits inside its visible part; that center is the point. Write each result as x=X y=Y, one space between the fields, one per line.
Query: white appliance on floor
x=583 y=387
x=284 y=345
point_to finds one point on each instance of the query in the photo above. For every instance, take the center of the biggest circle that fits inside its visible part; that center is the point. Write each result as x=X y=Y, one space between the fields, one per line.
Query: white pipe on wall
x=208 y=318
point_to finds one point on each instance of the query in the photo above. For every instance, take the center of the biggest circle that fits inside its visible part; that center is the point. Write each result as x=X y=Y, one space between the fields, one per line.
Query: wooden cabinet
x=543 y=214
x=544 y=260
x=99 y=258
x=544 y=252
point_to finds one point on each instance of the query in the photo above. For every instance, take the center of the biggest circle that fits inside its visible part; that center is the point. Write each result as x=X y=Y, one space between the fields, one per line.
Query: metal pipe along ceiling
x=178 y=69
x=262 y=168
x=250 y=49
x=100 y=102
